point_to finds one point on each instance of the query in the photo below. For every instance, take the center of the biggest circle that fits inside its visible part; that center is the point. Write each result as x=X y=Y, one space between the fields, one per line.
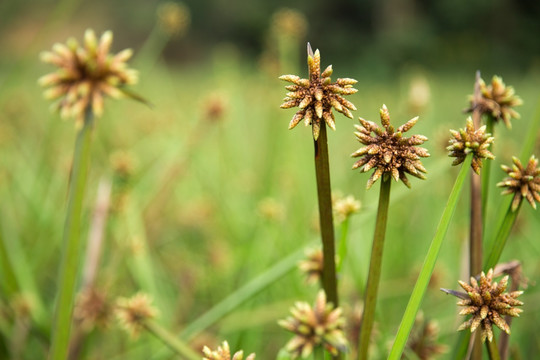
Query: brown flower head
x=133 y=312
x=423 y=339
x=92 y=308
x=312 y=266
x=522 y=182
x=468 y=141
x=388 y=151
x=173 y=18
x=487 y=304
x=320 y=325
x=497 y=101
x=224 y=353
x=86 y=74
x=317 y=95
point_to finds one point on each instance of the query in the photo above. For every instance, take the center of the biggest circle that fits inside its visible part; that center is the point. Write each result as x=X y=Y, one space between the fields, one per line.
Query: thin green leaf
x=429 y=264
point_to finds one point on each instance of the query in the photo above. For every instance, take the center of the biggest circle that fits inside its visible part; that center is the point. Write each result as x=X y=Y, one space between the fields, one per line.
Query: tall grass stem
x=342 y=252
x=486 y=171
x=324 y=194
x=375 y=263
x=419 y=290
x=502 y=235
x=69 y=268
x=174 y=343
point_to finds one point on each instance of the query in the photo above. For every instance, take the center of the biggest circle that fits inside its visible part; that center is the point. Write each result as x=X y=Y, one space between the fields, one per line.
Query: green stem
x=374 y=268
x=318 y=353
x=175 y=344
x=69 y=267
x=486 y=171
x=419 y=290
x=501 y=237
x=342 y=252
x=322 y=170
x=493 y=350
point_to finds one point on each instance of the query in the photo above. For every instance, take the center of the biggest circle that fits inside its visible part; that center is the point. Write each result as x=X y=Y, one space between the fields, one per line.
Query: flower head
x=423 y=339
x=344 y=206
x=133 y=312
x=486 y=301
x=312 y=266
x=522 y=182
x=320 y=325
x=497 y=100
x=290 y=23
x=92 y=308
x=317 y=95
x=388 y=151
x=86 y=74
x=470 y=140
x=173 y=18
x=224 y=353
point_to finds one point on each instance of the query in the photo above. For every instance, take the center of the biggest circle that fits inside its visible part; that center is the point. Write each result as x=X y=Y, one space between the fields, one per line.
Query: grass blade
x=71 y=247
x=429 y=264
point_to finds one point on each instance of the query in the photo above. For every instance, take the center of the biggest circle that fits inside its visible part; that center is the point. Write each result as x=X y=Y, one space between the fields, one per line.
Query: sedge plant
x=391 y=156
x=86 y=74
x=315 y=97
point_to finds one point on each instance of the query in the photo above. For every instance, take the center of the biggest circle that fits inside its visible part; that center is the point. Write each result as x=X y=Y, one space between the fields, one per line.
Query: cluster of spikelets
x=497 y=101
x=487 y=302
x=470 y=140
x=86 y=75
x=133 y=312
x=317 y=95
x=223 y=352
x=388 y=151
x=312 y=266
x=320 y=325
x=523 y=182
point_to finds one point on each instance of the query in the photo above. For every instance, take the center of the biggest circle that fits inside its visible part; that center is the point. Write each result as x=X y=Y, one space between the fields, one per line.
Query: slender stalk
x=342 y=252
x=419 y=290
x=374 y=275
x=71 y=243
x=174 y=343
x=476 y=227
x=501 y=237
x=322 y=170
x=486 y=171
x=475 y=244
x=493 y=350
x=505 y=338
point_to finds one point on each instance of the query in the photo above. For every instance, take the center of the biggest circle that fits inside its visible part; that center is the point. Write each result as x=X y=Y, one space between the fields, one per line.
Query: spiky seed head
x=173 y=18
x=388 y=151
x=312 y=266
x=317 y=325
x=523 y=182
x=86 y=75
x=497 y=100
x=423 y=338
x=133 y=312
x=315 y=97
x=470 y=140
x=223 y=352
x=487 y=302
x=92 y=308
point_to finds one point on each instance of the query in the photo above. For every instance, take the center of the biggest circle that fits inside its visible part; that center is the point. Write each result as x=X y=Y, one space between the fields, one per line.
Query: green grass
x=205 y=238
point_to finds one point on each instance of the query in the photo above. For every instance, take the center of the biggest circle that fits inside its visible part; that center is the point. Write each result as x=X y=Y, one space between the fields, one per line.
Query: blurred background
x=210 y=190
x=379 y=35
